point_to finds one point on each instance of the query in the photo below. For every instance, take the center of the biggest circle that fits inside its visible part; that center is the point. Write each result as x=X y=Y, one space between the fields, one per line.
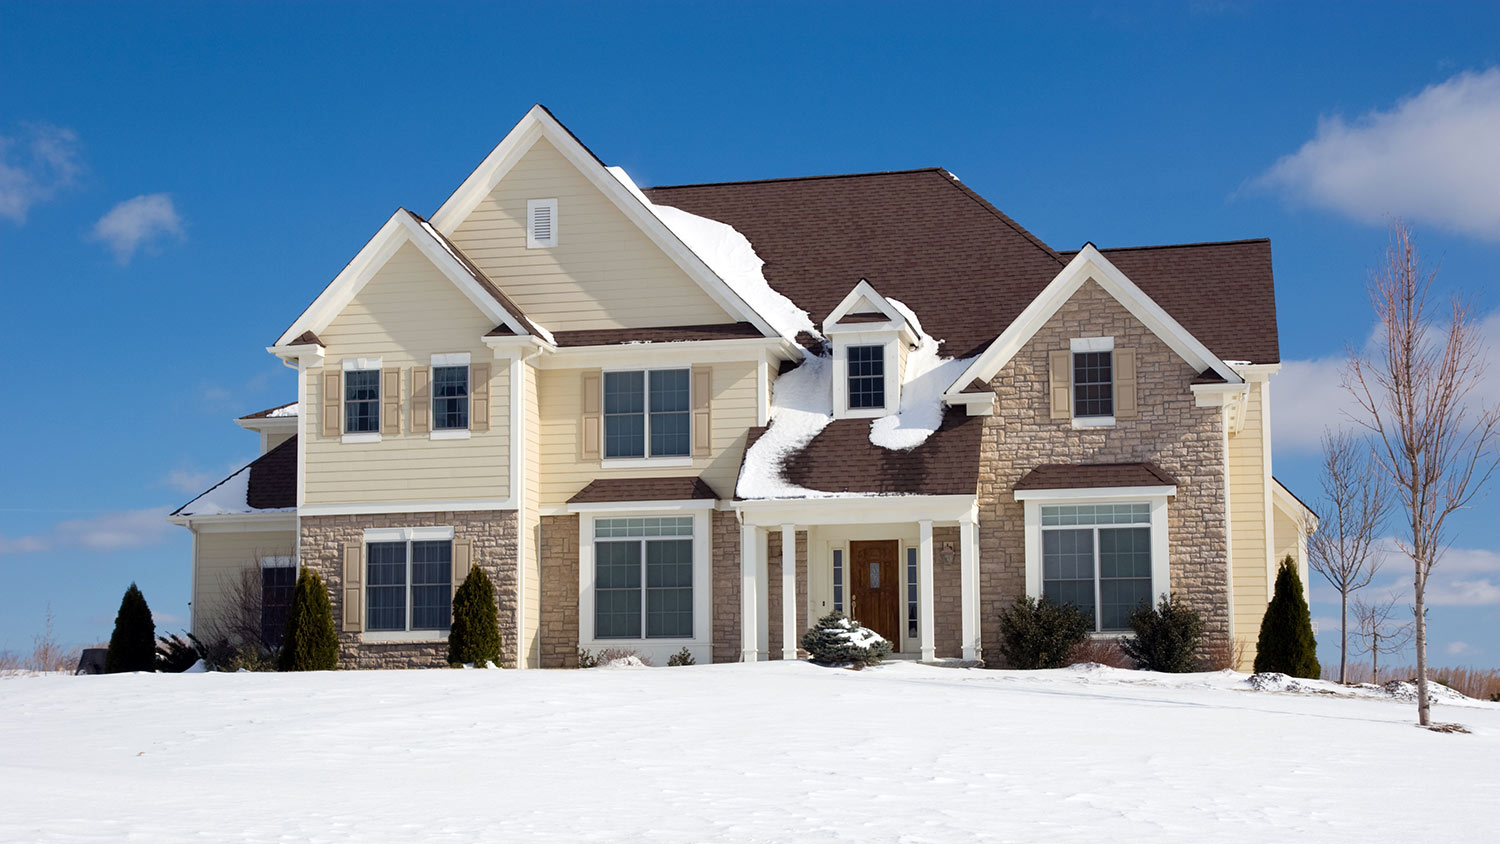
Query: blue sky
x=178 y=180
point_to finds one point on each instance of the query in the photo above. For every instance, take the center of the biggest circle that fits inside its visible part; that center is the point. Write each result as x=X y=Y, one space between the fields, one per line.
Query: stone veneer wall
x=1170 y=431
x=493 y=534
x=725 y=603
x=559 y=619
x=773 y=586
x=947 y=607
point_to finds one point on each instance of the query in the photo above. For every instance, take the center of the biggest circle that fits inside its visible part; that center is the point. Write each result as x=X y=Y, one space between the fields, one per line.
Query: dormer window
x=541 y=223
x=866 y=376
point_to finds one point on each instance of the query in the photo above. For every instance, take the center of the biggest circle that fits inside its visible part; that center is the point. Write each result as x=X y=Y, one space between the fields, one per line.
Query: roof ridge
x=1173 y=245
x=797 y=178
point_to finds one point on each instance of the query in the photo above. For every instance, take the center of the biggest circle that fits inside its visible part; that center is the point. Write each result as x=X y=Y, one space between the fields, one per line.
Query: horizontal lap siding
x=1247 y=502
x=604 y=272
x=221 y=560
x=405 y=314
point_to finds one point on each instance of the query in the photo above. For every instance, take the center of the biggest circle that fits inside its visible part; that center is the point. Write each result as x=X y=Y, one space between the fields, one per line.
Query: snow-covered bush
x=1040 y=634
x=839 y=640
x=682 y=657
x=474 y=637
x=1166 y=637
x=605 y=656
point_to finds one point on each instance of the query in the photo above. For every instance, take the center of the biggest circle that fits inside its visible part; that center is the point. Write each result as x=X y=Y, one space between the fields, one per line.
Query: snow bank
x=927 y=375
x=628 y=661
x=801 y=407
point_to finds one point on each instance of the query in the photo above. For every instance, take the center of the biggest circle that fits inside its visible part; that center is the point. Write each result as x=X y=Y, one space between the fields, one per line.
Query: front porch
x=905 y=566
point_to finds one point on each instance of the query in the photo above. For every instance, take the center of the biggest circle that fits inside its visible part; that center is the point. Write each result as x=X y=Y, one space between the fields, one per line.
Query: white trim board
x=382 y=507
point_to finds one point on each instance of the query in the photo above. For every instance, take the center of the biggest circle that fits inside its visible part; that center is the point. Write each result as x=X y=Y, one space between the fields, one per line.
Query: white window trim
x=1161 y=582
x=1091 y=344
x=664 y=461
x=886 y=338
x=359 y=365
x=278 y=561
x=407 y=535
x=531 y=241
x=658 y=650
x=449 y=359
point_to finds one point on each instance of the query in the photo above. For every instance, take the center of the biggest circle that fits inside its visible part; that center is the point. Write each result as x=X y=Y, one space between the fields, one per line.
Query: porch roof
x=1095 y=475
x=605 y=490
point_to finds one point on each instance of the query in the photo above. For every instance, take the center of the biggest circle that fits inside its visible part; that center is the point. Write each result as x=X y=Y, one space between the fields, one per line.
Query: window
x=838 y=580
x=643 y=571
x=541 y=223
x=278 y=576
x=409 y=585
x=450 y=398
x=911 y=592
x=1098 y=558
x=866 y=377
x=1093 y=384
x=647 y=413
x=362 y=401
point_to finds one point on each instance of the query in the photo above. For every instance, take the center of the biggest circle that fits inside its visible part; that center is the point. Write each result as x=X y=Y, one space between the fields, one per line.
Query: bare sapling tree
x=1414 y=392
x=1343 y=547
x=1378 y=633
x=239 y=620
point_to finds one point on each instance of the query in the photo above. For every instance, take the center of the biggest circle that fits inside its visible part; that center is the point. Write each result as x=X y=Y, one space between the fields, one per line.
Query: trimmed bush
x=474 y=638
x=682 y=657
x=1040 y=634
x=840 y=640
x=310 y=642
x=1286 y=644
x=132 y=647
x=1166 y=638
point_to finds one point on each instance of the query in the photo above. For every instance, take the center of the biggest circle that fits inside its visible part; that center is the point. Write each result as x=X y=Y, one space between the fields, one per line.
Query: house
x=699 y=416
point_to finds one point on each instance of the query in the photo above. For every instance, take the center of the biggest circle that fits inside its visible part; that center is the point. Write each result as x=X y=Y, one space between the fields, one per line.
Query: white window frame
x=361 y=365
x=885 y=338
x=532 y=242
x=407 y=535
x=665 y=460
x=1083 y=345
x=657 y=649
x=450 y=359
x=1033 y=500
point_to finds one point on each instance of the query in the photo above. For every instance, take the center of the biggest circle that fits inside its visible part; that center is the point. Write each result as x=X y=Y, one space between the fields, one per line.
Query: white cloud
x=107 y=531
x=1459 y=648
x=1430 y=158
x=36 y=163
x=139 y=222
x=1463 y=577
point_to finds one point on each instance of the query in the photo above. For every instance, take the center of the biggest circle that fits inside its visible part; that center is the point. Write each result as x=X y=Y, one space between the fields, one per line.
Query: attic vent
x=541 y=223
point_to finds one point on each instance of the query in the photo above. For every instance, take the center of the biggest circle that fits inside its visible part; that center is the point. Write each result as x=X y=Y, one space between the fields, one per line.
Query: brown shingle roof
x=842 y=459
x=305 y=338
x=273 y=478
x=1091 y=475
x=664 y=334
x=644 y=489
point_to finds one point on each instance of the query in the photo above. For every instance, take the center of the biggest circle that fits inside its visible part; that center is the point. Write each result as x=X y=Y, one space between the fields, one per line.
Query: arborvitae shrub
x=1040 y=634
x=1286 y=642
x=474 y=638
x=310 y=642
x=1166 y=638
x=682 y=657
x=132 y=647
x=839 y=640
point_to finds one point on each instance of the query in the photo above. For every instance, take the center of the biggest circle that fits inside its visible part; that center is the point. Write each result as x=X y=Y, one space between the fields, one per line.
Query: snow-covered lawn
x=769 y=752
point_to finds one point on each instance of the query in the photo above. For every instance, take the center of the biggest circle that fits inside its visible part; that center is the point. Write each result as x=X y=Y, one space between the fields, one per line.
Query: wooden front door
x=875 y=587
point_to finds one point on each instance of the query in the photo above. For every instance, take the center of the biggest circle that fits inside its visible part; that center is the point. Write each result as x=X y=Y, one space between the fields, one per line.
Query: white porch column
x=788 y=591
x=925 y=602
x=749 y=593
x=968 y=564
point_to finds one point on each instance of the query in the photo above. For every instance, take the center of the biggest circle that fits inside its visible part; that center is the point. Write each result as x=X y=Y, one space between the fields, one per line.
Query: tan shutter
x=462 y=551
x=479 y=397
x=1125 y=384
x=333 y=386
x=1060 y=372
x=390 y=400
x=591 y=423
x=703 y=393
x=421 y=399
x=354 y=593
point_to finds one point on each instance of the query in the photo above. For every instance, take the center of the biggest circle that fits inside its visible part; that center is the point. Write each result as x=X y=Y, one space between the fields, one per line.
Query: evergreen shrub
x=310 y=642
x=1166 y=637
x=474 y=638
x=1041 y=634
x=1286 y=644
x=840 y=640
x=132 y=646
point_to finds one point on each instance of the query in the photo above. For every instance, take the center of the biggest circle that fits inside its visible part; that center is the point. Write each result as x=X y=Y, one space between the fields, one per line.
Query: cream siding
x=406 y=313
x=1248 y=502
x=1291 y=541
x=220 y=560
x=604 y=273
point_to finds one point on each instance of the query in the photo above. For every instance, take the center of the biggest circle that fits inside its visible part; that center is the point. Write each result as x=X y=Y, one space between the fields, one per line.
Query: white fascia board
x=458 y=505
x=864 y=292
x=1089 y=263
x=974 y=404
x=399 y=230
x=688 y=505
x=684 y=352
x=855 y=509
x=229 y=523
x=269 y=424
x=1102 y=493
x=1288 y=504
x=539 y=124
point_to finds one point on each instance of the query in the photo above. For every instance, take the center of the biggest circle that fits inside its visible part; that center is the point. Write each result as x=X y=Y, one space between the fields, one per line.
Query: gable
x=604 y=272
x=408 y=308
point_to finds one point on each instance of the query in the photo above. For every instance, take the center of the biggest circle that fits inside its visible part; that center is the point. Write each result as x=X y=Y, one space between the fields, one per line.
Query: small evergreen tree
x=1166 y=638
x=132 y=647
x=1286 y=642
x=682 y=657
x=839 y=640
x=474 y=637
x=1040 y=634
x=310 y=642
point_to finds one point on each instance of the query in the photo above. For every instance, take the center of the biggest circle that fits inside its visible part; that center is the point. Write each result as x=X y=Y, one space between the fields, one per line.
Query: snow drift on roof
x=927 y=375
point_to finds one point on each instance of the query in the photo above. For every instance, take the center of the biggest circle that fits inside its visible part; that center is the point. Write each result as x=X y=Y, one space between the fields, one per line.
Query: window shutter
x=390 y=400
x=462 y=551
x=591 y=423
x=354 y=593
x=333 y=402
x=421 y=399
x=1060 y=371
x=1125 y=384
x=703 y=391
x=479 y=397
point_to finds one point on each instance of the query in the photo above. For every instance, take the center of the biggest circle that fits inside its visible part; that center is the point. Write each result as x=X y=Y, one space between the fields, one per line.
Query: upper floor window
x=362 y=401
x=450 y=398
x=1097 y=557
x=541 y=223
x=866 y=376
x=648 y=413
x=1093 y=384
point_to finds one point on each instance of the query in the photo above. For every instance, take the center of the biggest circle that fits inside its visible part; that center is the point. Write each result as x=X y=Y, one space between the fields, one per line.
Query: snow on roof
x=285 y=410
x=229 y=497
x=730 y=255
x=927 y=375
